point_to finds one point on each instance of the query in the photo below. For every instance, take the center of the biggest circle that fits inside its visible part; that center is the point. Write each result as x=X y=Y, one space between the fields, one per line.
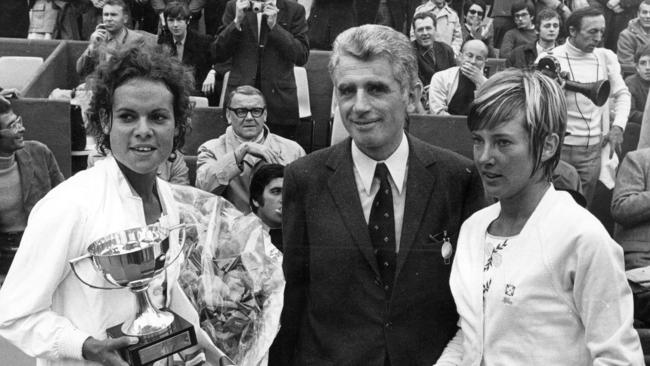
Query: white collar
x=396 y=164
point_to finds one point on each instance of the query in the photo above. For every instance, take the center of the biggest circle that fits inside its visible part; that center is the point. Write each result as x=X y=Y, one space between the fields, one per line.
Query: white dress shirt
x=368 y=185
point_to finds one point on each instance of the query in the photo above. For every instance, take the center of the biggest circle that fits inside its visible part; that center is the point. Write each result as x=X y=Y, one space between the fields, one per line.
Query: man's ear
x=255 y=203
x=572 y=31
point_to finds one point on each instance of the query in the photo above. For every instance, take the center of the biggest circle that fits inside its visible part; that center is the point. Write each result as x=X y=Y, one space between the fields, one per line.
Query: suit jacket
x=327 y=19
x=335 y=310
x=196 y=54
x=278 y=51
x=39 y=173
x=401 y=10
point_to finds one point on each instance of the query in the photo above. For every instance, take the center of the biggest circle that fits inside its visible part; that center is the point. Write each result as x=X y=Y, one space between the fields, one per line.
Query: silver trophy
x=131 y=259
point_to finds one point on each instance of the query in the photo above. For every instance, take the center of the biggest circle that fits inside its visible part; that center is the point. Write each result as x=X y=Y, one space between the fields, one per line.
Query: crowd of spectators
x=249 y=56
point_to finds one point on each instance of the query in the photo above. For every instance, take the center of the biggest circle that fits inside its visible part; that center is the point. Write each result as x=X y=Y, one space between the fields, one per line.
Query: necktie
x=381 y=226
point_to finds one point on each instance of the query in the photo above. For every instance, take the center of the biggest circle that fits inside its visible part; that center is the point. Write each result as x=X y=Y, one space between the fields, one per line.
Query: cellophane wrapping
x=232 y=276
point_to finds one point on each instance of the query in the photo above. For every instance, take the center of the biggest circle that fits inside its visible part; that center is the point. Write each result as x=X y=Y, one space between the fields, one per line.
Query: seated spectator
x=639 y=83
x=225 y=164
x=448 y=28
x=433 y=56
x=477 y=25
x=111 y=34
x=264 y=49
x=548 y=27
x=631 y=211
x=195 y=7
x=452 y=91
x=635 y=36
x=192 y=48
x=173 y=170
x=28 y=170
x=525 y=33
x=266 y=199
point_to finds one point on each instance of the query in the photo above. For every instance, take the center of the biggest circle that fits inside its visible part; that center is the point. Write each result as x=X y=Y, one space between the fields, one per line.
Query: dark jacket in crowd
x=327 y=19
x=14 y=18
x=196 y=53
x=431 y=60
x=39 y=173
x=523 y=57
x=267 y=63
x=401 y=11
x=639 y=90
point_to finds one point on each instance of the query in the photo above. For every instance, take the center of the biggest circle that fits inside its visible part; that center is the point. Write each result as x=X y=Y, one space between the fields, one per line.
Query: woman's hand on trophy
x=106 y=352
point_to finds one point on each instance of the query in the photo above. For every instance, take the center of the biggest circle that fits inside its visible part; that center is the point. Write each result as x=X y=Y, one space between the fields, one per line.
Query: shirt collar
x=182 y=40
x=396 y=164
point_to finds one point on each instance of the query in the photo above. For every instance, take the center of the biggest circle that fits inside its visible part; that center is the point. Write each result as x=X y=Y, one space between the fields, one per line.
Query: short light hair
x=372 y=41
x=546 y=14
x=121 y=3
x=515 y=93
x=243 y=90
x=426 y=14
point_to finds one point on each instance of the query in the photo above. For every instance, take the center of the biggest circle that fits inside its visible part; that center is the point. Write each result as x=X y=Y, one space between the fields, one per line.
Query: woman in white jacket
x=536 y=278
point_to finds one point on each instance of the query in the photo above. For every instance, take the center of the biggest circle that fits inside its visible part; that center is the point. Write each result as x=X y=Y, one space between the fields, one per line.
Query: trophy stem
x=148 y=320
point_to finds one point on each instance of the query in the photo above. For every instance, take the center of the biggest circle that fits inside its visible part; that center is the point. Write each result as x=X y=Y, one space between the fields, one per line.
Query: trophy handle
x=181 y=250
x=73 y=263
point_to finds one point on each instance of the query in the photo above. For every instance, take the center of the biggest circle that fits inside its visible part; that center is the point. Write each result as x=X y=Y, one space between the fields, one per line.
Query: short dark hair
x=261 y=178
x=481 y=3
x=177 y=10
x=521 y=5
x=575 y=19
x=545 y=14
x=5 y=105
x=427 y=14
x=121 y=3
x=133 y=63
x=640 y=52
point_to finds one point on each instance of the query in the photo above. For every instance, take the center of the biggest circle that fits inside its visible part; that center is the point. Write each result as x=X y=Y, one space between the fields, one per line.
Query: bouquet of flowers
x=233 y=276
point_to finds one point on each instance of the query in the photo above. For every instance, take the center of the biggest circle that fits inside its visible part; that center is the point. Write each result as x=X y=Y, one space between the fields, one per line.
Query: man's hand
x=240 y=11
x=106 y=352
x=208 y=83
x=614 y=138
x=271 y=12
x=98 y=36
x=257 y=150
x=98 y=3
x=473 y=73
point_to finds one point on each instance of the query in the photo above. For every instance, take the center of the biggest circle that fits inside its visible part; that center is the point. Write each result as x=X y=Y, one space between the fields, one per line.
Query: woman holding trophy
x=536 y=278
x=140 y=112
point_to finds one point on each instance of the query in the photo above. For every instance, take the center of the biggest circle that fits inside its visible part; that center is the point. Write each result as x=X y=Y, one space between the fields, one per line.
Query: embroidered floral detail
x=486 y=287
x=495 y=258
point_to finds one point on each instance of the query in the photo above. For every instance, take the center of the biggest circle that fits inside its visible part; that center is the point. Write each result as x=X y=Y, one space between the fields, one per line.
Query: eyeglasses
x=477 y=12
x=243 y=112
x=15 y=125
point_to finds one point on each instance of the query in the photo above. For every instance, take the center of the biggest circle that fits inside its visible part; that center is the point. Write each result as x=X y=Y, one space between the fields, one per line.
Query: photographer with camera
x=590 y=131
x=265 y=40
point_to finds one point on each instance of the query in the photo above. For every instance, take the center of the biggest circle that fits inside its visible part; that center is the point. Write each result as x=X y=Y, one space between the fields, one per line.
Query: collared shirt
x=259 y=18
x=540 y=49
x=368 y=185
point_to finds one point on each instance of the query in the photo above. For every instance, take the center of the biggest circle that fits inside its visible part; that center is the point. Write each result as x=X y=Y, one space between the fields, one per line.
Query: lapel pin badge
x=446 y=249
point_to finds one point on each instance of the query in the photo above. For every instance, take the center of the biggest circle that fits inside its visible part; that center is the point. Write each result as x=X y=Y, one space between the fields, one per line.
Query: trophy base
x=179 y=336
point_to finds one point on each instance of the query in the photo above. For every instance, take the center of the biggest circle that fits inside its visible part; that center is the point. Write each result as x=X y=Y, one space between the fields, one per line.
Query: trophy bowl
x=130 y=259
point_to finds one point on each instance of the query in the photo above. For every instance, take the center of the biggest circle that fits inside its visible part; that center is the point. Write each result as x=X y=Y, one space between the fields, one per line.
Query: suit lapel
x=419 y=190
x=343 y=188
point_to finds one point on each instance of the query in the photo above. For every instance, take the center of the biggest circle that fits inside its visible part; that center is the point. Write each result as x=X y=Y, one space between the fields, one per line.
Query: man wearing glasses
x=225 y=164
x=28 y=170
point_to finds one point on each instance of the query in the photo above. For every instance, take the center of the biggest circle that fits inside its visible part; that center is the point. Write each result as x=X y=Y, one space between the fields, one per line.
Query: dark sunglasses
x=243 y=112
x=478 y=12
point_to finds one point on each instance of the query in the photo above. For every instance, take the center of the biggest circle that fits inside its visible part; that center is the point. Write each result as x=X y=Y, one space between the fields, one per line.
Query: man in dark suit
x=264 y=47
x=394 y=13
x=369 y=224
x=192 y=48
